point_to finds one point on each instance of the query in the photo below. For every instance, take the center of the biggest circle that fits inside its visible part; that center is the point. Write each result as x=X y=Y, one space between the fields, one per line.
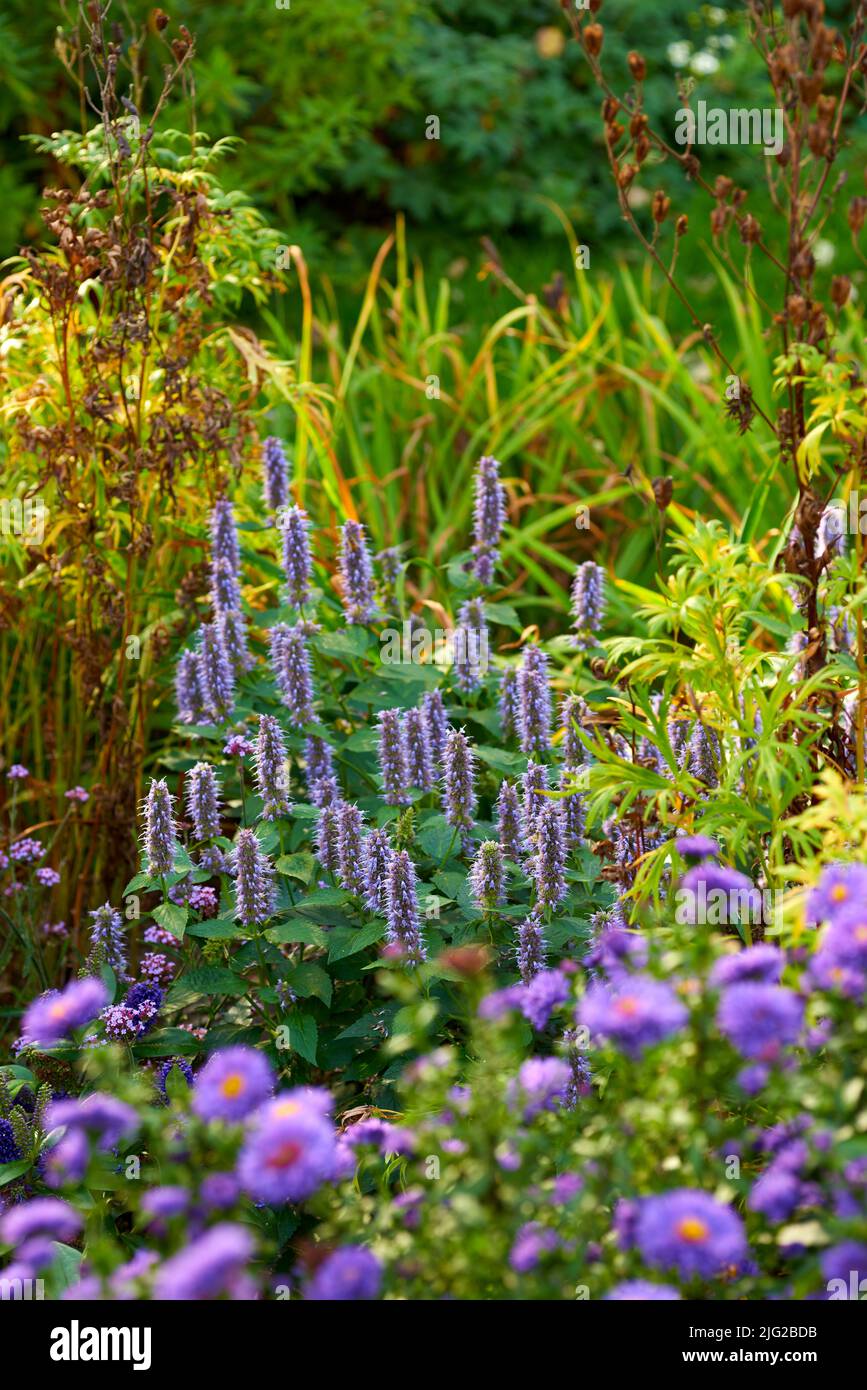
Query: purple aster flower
x=501 y=1002
x=776 y=1194
x=470 y=646
x=350 y=860
x=843 y=1260
x=845 y=939
x=275 y=474
x=402 y=908
x=376 y=853
x=42 y=1216
x=542 y=1085
x=215 y=674
x=753 y=1079
x=437 y=723
x=288 y=1154
x=763 y=963
x=530 y=952
x=232 y=629
x=760 y=1019
x=642 y=1291
x=546 y=991
x=225 y=557
x=534 y=702
x=510 y=830
x=189 y=696
x=162 y=1203
x=486 y=876
x=489 y=517
x=297 y=564
x=710 y=893
x=840 y=886
x=99 y=1114
x=588 y=603
x=160 y=835
x=203 y=801
x=549 y=857
x=352 y=1272
x=419 y=758
x=633 y=1012
x=388 y=561
x=508 y=702
x=254 y=880
x=272 y=782
x=293 y=670
x=326 y=837
x=393 y=758
x=219 y=1191
x=232 y=1084
x=107 y=939
x=459 y=799
x=54 y=1015
x=696 y=847
x=531 y=1242
x=208 y=1266
x=690 y=1232
x=356 y=573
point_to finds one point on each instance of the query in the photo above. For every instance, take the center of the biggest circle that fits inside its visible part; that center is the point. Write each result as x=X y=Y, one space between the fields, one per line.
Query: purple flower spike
x=404 y=931
x=508 y=703
x=357 y=574
x=161 y=836
x=203 y=801
x=459 y=797
x=510 y=829
x=297 y=564
x=350 y=862
x=392 y=758
x=588 y=603
x=254 y=881
x=549 y=858
x=531 y=951
x=486 y=876
x=489 y=517
x=389 y=575
x=215 y=674
x=318 y=760
x=534 y=784
x=275 y=474
x=534 y=702
x=704 y=754
x=573 y=712
x=377 y=853
x=573 y=809
x=189 y=695
x=326 y=837
x=232 y=629
x=419 y=761
x=470 y=646
x=107 y=940
x=437 y=723
x=272 y=782
x=290 y=661
x=225 y=557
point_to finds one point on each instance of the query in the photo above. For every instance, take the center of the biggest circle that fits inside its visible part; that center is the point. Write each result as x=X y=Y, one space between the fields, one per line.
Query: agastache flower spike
x=704 y=752
x=326 y=837
x=297 y=565
x=572 y=809
x=459 y=799
x=508 y=702
x=271 y=779
x=357 y=574
x=107 y=942
x=489 y=516
x=402 y=908
x=188 y=691
x=419 y=762
x=324 y=791
x=549 y=858
x=486 y=875
x=254 y=881
x=318 y=760
x=215 y=674
x=437 y=723
x=389 y=574
x=534 y=783
x=534 y=697
x=588 y=602
x=232 y=627
x=203 y=801
x=275 y=474
x=225 y=557
x=530 y=952
x=160 y=837
x=293 y=671
x=392 y=758
x=377 y=854
x=509 y=828
x=350 y=863
x=572 y=713
x=470 y=646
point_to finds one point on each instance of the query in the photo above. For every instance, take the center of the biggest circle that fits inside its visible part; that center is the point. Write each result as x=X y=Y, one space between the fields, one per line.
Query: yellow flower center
x=861 y=933
x=627 y=1006
x=839 y=893
x=286 y=1107
x=233 y=1085
x=58 y=1010
x=692 y=1229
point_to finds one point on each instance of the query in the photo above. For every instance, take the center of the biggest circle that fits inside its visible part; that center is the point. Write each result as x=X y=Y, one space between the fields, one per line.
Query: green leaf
x=306 y=933
x=347 y=644
x=10 y=1171
x=302 y=1036
x=343 y=943
x=502 y=760
x=218 y=929
x=65 y=1268
x=206 y=979
x=308 y=979
x=300 y=865
x=436 y=836
x=171 y=918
